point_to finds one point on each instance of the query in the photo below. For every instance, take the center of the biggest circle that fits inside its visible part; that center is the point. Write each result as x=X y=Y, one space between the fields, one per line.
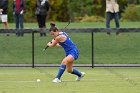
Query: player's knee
x=64 y=62
x=69 y=71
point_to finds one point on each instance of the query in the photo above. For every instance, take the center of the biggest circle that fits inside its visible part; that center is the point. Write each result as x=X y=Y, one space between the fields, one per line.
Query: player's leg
x=66 y=62
x=61 y=70
x=60 y=73
x=72 y=70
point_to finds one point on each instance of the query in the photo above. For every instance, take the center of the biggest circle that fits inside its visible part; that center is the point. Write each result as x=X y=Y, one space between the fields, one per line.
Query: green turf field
x=98 y=80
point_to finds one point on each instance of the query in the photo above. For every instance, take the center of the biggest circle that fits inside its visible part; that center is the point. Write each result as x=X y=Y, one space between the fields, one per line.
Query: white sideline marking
x=18 y=81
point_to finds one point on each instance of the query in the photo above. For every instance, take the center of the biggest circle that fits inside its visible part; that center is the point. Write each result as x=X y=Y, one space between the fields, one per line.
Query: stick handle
x=46 y=47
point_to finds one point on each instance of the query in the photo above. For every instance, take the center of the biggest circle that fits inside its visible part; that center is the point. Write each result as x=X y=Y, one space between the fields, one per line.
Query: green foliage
x=87 y=18
x=80 y=8
x=99 y=7
x=122 y=5
x=10 y=11
x=62 y=10
x=59 y=10
x=131 y=13
x=30 y=11
x=133 y=1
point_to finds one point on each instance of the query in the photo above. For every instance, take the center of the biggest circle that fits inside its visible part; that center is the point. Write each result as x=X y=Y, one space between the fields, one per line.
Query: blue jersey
x=69 y=47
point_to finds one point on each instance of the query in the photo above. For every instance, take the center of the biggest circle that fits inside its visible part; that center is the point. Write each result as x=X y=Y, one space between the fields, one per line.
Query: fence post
x=92 y=42
x=32 y=49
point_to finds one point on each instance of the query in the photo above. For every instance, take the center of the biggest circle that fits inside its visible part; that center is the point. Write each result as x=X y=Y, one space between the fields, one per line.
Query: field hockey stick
x=46 y=48
x=68 y=24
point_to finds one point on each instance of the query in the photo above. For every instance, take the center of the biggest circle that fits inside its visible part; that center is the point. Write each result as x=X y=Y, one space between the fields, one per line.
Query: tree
x=10 y=11
x=99 y=7
x=29 y=15
x=62 y=10
x=133 y=1
x=80 y=8
x=59 y=10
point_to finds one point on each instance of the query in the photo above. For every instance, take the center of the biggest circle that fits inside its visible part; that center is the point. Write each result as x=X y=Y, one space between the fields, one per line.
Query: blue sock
x=76 y=72
x=61 y=71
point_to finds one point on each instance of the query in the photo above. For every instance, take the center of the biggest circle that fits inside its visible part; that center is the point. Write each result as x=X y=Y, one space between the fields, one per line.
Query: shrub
x=87 y=18
x=131 y=13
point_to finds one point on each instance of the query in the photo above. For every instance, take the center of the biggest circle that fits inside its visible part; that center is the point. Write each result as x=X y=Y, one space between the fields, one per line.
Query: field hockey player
x=61 y=39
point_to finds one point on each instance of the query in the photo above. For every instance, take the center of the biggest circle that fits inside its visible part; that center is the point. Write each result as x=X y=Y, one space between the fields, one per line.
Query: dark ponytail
x=52 y=24
x=53 y=27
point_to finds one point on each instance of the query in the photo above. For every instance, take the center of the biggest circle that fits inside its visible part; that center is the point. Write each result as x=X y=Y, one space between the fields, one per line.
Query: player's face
x=54 y=34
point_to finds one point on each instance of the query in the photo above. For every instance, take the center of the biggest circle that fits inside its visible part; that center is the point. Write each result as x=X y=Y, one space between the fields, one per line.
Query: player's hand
x=49 y=44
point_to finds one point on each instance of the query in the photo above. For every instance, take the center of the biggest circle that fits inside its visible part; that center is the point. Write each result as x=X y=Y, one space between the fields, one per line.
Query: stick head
x=43 y=50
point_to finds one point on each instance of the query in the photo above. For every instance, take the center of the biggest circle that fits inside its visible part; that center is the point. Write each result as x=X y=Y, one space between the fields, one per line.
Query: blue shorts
x=74 y=53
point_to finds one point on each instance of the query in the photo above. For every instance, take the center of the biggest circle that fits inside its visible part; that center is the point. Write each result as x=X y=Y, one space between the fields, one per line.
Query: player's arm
x=61 y=38
x=54 y=42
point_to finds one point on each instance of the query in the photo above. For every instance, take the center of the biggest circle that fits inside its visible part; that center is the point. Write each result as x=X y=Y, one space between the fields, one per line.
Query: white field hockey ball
x=38 y=80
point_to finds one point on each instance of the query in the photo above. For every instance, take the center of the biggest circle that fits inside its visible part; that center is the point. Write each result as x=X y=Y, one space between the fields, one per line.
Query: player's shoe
x=79 y=78
x=56 y=80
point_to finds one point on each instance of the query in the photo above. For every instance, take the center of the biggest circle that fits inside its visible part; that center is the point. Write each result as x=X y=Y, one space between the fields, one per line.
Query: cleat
x=56 y=80
x=82 y=75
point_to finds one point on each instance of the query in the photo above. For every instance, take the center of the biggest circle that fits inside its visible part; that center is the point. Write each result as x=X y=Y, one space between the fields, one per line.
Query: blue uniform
x=69 y=47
